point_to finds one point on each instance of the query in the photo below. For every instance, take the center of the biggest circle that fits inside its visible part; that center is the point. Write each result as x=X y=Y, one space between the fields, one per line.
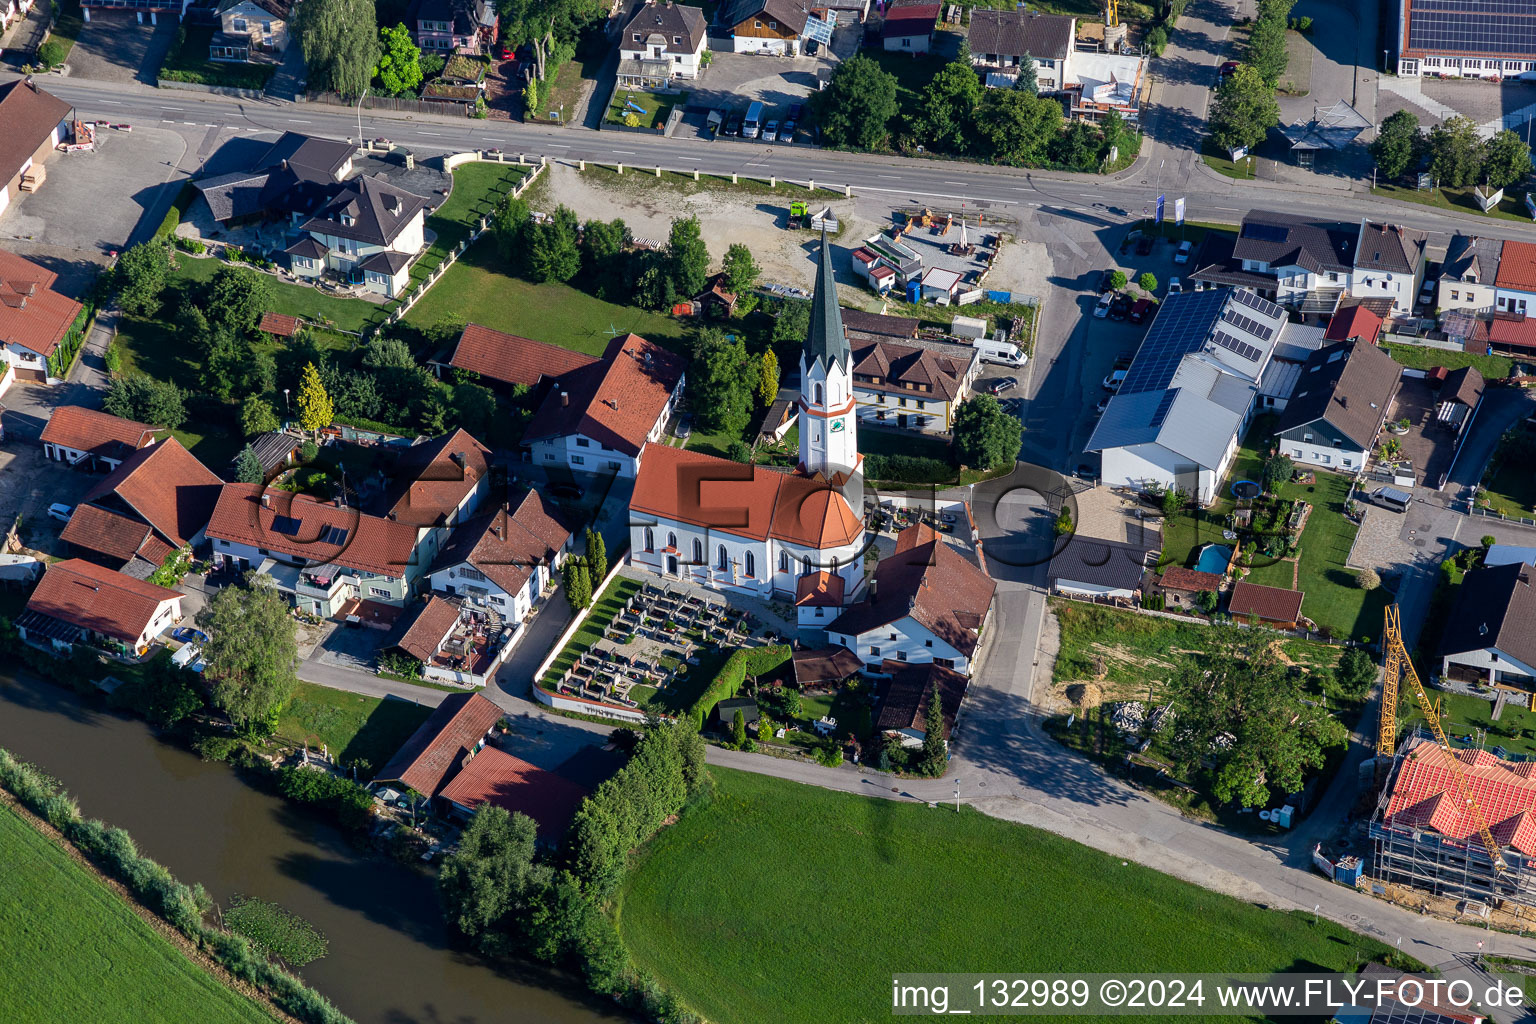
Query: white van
x=993 y=351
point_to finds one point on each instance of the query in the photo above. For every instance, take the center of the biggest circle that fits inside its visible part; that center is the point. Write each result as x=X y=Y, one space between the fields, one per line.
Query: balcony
x=159 y=6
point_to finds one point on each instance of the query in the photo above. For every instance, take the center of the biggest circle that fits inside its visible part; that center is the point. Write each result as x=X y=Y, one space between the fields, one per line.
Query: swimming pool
x=1214 y=558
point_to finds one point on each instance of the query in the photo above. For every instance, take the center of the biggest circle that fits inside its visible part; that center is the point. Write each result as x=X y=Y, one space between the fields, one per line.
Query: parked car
x=61 y=512
x=1120 y=308
x=684 y=428
x=1427 y=295
x=1005 y=384
x=795 y=111
x=1102 y=309
x=1106 y=281
x=1115 y=379
x=733 y=125
x=1182 y=254
x=1140 y=311
x=787 y=133
x=1086 y=471
x=570 y=492
x=1228 y=68
x=188 y=635
x=771 y=131
x=1103 y=404
x=1175 y=286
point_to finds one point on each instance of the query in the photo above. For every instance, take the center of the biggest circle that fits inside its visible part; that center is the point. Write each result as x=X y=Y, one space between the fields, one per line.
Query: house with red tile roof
x=506 y=359
x=903 y=699
x=80 y=602
x=927 y=603
x=598 y=418
x=36 y=321
x=116 y=541
x=1354 y=323
x=322 y=554
x=436 y=750
x=457 y=643
x=505 y=560
x=1182 y=587
x=163 y=487
x=1272 y=605
x=1514 y=333
x=90 y=439
x=919 y=387
x=1514 y=286
x=495 y=777
x=34 y=122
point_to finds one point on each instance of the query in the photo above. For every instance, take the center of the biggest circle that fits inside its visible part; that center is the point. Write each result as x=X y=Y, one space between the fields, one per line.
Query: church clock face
x=836 y=426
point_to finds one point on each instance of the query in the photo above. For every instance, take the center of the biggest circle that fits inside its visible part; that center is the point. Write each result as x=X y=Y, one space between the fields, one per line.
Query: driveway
x=114 y=47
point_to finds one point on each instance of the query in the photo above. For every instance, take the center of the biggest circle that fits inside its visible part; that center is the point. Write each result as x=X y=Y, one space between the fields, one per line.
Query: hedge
x=727 y=683
x=184 y=200
x=914 y=469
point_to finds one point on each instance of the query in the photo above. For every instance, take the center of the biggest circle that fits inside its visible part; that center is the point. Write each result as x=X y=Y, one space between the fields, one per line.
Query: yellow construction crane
x=1111 y=14
x=1399 y=666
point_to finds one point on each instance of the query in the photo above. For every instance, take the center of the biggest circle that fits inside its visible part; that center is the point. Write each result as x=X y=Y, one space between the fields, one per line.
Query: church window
x=722 y=560
x=783 y=561
x=650 y=539
x=751 y=564
x=672 y=541
x=698 y=551
x=805 y=564
x=818 y=395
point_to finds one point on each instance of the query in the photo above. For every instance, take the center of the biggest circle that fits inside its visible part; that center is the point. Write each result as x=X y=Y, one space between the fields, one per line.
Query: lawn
x=351 y=726
x=1333 y=600
x=1460 y=200
x=75 y=951
x=1218 y=161
x=1083 y=10
x=477 y=190
x=1462 y=715
x=1421 y=357
x=188 y=62
x=565 y=93
x=789 y=903
x=591 y=629
x=656 y=106
x=1297 y=80
x=1510 y=487
x=479 y=289
x=913 y=73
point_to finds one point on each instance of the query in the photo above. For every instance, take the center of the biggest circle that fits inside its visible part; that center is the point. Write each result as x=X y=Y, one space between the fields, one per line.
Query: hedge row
x=727 y=683
x=114 y=852
x=184 y=200
x=912 y=469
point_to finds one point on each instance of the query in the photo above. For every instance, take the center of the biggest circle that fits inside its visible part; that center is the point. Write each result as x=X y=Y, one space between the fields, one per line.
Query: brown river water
x=389 y=960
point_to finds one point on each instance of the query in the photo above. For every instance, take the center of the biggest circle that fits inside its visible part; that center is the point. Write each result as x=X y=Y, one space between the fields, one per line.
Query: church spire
x=825 y=341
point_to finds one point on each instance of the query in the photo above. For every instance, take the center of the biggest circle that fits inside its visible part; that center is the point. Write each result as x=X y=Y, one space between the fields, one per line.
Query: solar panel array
x=285 y=525
x=1180 y=327
x=1504 y=27
x=1248 y=325
x=1257 y=302
x=1161 y=412
x=1266 y=232
x=1231 y=344
x=333 y=535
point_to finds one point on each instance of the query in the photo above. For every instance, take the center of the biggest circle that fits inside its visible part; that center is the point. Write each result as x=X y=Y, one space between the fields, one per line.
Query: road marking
x=192 y=123
x=1227 y=209
x=173 y=108
x=559 y=147
x=936 y=195
x=295 y=120
x=626 y=152
x=433 y=134
x=891 y=176
x=956 y=183
x=210 y=126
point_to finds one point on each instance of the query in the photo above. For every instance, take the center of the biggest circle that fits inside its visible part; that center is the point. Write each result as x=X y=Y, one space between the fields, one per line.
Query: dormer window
x=677 y=40
x=346 y=219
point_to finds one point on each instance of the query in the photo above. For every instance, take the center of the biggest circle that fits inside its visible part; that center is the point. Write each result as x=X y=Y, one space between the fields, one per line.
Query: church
x=761 y=531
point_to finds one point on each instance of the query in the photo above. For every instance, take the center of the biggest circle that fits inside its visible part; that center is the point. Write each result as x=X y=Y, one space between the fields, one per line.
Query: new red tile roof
x=370 y=543
x=105 y=533
x=1512 y=331
x=1271 y=604
x=513 y=360
x=167 y=486
x=431 y=627
x=505 y=545
x=29 y=115
x=437 y=746
x=820 y=588
x=100 y=433
x=103 y=601
x=1179 y=578
x=496 y=777
x=616 y=401
x=278 y=324
x=32 y=315
x=1425 y=795
x=433 y=478
x=1517 y=267
x=1356 y=322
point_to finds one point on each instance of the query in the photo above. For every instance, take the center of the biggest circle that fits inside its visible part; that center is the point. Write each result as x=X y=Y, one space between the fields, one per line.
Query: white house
x=599 y=417
x=1515 y=282
x=908 y=27
x=1000 y=40
x=1489 y=637
x=505 y=560
x=1338 y=406
x=913 y=386
x=35 y=320
x=1189 y=393
x=369 y=232
x=661 y=42
x=1111 y=548
x=1389 y=264
x=1468 y=275
x=251 y=31
x=1298 y=263
x=81 y=602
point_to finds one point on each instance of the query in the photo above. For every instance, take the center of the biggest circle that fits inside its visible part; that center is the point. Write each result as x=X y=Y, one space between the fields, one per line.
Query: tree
x=857 y=104
x=1397 y=146
x=986 y=436
x=768 y=377
x=721 y=382
x=1244 y=112
x=257 y=417
x=739 y=730
x=247 y=467
x=399 y=67
x=509 y=226
x=315 y=410
x=1117 y=280
x=1507 y=160
x=340 y=41
x=687 y=256
x=1206 y=601
x=1116 y=134
x=1157 y=40
x=1277 y=470
x=1267 y=52
x=168 y=696
x=740 y=268
x=251 y=654
x=1488 y=540
x=1147 y=282
x=552 y=251
x=1455 y=152
x=792 y=322
x=474 y=408
x=137 y=396
x=933 y=757
x=739 y=451
x=604 y=247
x=236 y=298
x=1078 y=146
x=1019 y=127
x=597 y=556
x=578 y=585
x=140 y=277
x=1173 y=501
x=491 y=874
x=947 y=107
x=1356 y=672
x=1063 y=525
x=1029 y=78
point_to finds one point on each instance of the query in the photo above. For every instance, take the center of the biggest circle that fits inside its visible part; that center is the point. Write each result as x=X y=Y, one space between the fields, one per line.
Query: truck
x=995 y=350
x=752 y=126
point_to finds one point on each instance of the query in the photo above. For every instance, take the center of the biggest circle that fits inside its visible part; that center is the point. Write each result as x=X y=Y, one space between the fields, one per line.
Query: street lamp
x=957 y=794
x=285 y=402
x=360 y=116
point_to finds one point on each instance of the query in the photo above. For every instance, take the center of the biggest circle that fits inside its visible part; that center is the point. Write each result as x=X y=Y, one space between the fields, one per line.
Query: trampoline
x=1245 y=489
x=1214 y=558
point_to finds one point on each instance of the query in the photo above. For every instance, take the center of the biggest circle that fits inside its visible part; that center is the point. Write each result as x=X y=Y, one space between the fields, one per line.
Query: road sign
x=1159 y=210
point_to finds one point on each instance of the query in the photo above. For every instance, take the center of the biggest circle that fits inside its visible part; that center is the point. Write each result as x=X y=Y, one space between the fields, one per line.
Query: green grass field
x=1332 y=598
x=1462 y=715
x=350 y=725
x=74 y=951
x=656 y=106
x=1460 y=200
x=787 y=903
x=1421 y=358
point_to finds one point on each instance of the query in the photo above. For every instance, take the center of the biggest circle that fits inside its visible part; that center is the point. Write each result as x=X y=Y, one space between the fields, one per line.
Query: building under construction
x=1425 y=837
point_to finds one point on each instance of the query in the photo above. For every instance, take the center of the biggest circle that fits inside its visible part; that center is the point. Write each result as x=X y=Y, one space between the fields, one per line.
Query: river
x=389 y=961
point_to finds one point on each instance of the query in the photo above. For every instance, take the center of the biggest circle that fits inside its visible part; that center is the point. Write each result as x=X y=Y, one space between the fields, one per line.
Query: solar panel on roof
x=1266 y=232
x=1161 y=412
x=285 y=525
x=1242 y=348
x=333 y=535
x=1255 y=301
x=1248 y=325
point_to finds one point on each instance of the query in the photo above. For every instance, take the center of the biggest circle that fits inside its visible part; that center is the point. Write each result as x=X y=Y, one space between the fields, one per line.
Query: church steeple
x=825 y=340
x=828 y=419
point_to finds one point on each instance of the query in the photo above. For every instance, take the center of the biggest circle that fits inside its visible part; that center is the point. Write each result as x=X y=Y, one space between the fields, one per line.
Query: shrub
x=308 y=451
x=1489 y=540
x=1368 y=579
x=275 y=931
x=727 y=682
x=830 y=754
x=914 y=469
x=52 y=53
x=215 y=747
x=60 y=809
x=1157 y=41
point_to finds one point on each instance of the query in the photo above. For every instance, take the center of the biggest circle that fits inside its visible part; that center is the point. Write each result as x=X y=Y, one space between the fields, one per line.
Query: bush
x=914 y=469
x=352 y=804
x=308 y=451
x=1368 y=579
x=1489 y=540
x=727 y=682
x=1157 y=41
x=52 y=53
x=215 y=747
x=830 y=754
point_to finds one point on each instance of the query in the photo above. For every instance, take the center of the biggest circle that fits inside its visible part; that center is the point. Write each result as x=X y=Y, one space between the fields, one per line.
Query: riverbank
x=89 y=949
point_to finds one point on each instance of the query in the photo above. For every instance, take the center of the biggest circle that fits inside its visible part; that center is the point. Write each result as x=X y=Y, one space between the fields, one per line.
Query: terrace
x=471 y=648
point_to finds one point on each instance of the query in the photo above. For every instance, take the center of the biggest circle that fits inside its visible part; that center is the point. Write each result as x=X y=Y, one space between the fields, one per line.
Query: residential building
x=1490 y=635
x=321 y=554
x=250 y=31
x=913 y=386
x=505 y=560
x=1389 y=263
x=506 y=359
x=1297 y=263
x=495 y=777
x=1460 y=394
x=35 y=322
x=33 y=123
x=1271 y=605
x=1189 y=393
x=116 y=541
x=288 y=181
x=908 y=26
x=80 y=602
x=1181 y=588
x=436 y=750
x=1000 y=40
x=766 y=26
x=367 y=232
x=1104 y=82
x=599 y=417
x=1468 y=275
x=435 y=484
x=928 y=603
x=99 y=441
x=1515 y=281
x=903 y=700
x=462 y=81
x=1354 y=323
x=662 y=41
x=1344 y=396
x=456 y=644
x=454 y=26
x=1510 y=333
x=1114 y=542
x=1475 y=39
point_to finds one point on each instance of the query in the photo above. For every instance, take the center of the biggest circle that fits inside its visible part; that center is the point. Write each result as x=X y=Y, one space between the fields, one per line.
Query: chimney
x=565 y=399
x=336 y=502
x=874 y=585
x=457 y=457
x=391 y=515
x=266 y=500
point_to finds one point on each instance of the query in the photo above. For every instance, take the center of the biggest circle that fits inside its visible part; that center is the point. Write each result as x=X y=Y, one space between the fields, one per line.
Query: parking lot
x=735 y=80
x=68 y=212
x=114 y=47
x=29 y=483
